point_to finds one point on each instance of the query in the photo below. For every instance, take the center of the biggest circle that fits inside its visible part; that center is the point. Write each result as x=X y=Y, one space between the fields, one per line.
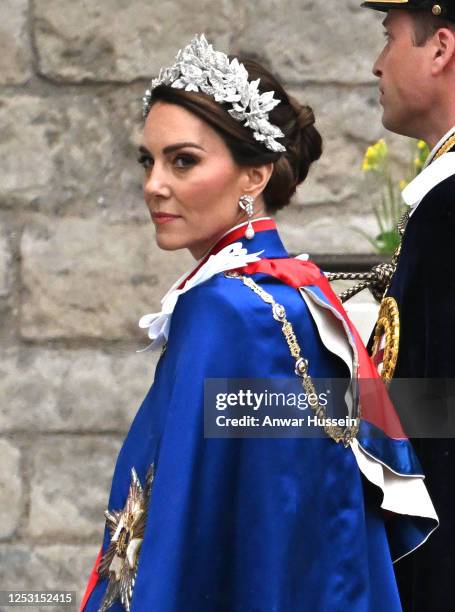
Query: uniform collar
x=438 y=145
x=435 y=170
x=432 y=175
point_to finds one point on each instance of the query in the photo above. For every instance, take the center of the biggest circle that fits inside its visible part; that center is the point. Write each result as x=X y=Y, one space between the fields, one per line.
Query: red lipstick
x=161 y=217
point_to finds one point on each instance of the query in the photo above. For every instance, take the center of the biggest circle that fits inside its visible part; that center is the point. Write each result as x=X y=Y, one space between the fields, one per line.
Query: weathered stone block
x=60 y=567
x=69 y=486
x=120 y=40
x=323 y=230
x=24 y=149
x=83 y=278
x=312 y=41
x=80 y=390
x=53 y=153
x=10 y=488
x=15 y=56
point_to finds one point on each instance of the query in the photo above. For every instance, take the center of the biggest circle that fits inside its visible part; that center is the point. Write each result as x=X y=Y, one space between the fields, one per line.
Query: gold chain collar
x=337 y=433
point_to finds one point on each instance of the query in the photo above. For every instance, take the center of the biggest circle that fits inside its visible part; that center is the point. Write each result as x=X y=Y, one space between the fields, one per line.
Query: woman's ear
x=255 y=179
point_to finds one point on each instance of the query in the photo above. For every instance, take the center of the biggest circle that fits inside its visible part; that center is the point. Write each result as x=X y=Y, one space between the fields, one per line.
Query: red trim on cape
x=375 y=404
x=259 y=225
x=92 y=581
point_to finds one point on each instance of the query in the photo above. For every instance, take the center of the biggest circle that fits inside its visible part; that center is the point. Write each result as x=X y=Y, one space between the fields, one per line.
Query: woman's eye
x=184 y=161
x=145 y=160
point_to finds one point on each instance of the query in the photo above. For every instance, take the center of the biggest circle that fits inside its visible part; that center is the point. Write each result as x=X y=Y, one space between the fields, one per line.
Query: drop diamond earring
x=246 y=203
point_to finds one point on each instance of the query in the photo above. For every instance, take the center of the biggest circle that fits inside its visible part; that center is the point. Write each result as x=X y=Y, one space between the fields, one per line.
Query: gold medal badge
x=127 y=527
x=386 y=339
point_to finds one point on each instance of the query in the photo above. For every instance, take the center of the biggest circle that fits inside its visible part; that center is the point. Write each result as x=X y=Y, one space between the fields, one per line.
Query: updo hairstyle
x=302 y=140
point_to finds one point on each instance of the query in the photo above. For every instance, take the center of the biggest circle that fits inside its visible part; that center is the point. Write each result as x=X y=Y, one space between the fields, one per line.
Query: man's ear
x=443 y=50
x=255 y=179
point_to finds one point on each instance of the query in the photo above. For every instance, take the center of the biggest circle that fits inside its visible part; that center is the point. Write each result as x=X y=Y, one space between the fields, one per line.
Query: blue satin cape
x=247 y=525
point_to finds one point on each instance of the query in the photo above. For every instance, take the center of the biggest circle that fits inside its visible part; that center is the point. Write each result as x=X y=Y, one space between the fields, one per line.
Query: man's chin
x=392 y=124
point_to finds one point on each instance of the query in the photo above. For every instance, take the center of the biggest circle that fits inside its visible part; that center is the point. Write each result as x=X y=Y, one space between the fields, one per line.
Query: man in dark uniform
x=416 y=71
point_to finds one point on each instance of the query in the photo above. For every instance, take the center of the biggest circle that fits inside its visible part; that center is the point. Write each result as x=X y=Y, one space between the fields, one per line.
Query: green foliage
x=376 y=164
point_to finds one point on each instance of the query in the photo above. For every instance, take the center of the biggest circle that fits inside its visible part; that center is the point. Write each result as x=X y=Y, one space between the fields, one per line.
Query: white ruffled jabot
x=231 y=257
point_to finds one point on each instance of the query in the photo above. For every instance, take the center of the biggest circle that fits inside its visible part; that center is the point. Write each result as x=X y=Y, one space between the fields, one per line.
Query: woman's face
x=192 y=184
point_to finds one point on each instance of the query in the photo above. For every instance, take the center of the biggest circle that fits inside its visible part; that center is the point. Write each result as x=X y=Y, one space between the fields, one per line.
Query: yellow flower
x=402 y=184
x=422 y=153
x=375 y=155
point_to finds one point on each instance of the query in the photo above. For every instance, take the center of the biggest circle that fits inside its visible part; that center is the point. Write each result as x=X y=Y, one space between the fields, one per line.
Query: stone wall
x=78 y=264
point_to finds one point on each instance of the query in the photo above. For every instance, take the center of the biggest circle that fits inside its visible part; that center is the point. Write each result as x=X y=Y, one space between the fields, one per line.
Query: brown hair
x=426 y=24
x=302 y=140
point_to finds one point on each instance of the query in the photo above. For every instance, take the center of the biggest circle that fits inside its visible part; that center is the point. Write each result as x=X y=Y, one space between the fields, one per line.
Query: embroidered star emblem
x=127 y=527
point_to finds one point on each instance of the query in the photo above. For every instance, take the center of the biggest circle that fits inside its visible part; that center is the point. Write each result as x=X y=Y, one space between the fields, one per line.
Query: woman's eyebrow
x=181 y=145
x=173 y=147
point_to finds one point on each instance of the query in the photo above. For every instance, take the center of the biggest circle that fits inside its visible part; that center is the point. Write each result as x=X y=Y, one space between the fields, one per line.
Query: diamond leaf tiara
x=198 y=67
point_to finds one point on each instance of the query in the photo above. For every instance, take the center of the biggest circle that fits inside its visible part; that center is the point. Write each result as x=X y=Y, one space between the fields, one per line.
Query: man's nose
x=377 y=71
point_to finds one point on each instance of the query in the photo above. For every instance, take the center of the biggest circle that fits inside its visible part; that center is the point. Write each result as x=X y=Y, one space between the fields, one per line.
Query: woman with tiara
x=200 y=523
